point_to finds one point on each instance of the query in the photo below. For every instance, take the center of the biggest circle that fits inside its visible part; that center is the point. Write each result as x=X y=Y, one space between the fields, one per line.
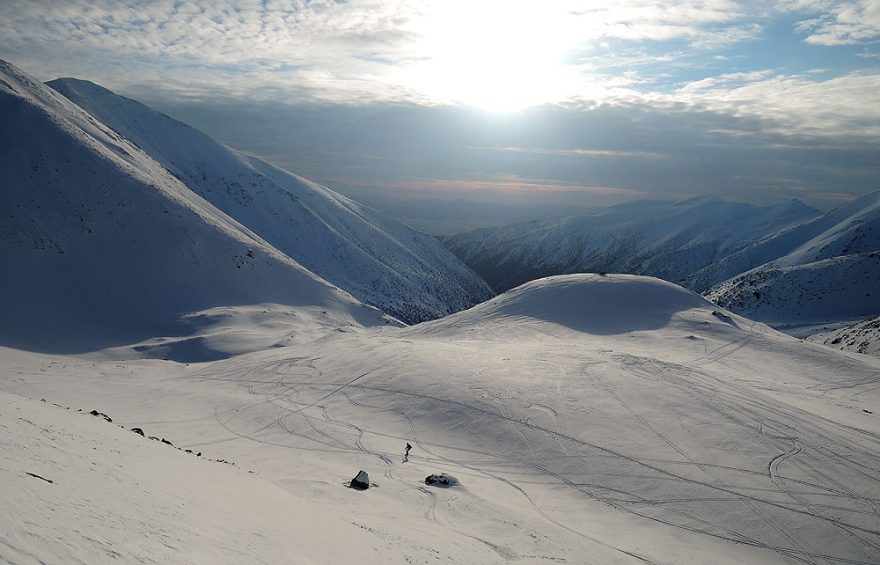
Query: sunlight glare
x=494 y=54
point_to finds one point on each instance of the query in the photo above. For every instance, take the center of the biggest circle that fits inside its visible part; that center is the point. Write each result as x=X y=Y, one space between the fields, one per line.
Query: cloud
x=709 y=23
x=845 y=105
x=323 y=49
x=665 y=53
x=582 y=156
x=839 y=23
x=302 y=48
x=725 y=80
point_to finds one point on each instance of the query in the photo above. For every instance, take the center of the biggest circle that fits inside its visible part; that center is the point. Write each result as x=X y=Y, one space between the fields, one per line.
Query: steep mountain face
x=378 y=260
x=100 y=244
x=826 y=270
x=670 y=240
x=861 y=337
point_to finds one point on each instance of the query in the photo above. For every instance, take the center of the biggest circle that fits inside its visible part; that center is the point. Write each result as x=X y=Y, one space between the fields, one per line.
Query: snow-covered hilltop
x=670 y=240
x=588 y=419
x=378 y=260
x=101 y=245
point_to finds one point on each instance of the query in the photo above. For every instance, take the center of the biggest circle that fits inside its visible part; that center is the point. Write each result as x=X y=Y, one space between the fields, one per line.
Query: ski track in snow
x=734 y=401
x=561 y=442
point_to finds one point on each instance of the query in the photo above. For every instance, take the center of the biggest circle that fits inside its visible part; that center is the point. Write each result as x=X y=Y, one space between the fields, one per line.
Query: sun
x=496 y=55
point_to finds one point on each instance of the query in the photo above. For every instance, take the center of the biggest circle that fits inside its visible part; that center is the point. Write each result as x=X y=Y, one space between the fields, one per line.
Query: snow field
x=698 y=437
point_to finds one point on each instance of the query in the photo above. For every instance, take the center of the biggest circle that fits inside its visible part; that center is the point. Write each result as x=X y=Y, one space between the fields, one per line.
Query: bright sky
x=799 y=71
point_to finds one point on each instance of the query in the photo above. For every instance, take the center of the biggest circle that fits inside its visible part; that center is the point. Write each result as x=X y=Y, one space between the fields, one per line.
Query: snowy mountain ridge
x=379 y=260
x=669 y=240
x=843 y=230
x=823 y=271
x=101 y=245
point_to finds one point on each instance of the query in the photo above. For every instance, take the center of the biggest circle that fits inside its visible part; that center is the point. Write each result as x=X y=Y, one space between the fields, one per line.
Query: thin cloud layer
x=797 y=105
x=716 y=52
x=839 y=23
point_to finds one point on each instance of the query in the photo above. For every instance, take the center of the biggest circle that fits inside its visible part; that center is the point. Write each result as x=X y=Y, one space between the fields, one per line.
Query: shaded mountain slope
x=100 y=244
x=827 y=270
x=380 y=261
x=851 y=228
x=861 y=337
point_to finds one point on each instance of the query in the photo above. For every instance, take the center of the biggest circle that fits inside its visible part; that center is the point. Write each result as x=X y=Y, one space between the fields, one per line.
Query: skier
x=406 y=453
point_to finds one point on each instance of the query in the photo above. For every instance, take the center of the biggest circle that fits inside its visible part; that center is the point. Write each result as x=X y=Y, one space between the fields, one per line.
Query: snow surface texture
x=590 y=419
x=861 y=337
x=101 y=245
x=79 y=490
x=378 y=260
x=826 y=270
x=670 y=240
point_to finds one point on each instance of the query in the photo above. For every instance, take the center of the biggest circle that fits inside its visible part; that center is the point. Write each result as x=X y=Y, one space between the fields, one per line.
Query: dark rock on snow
x=361 y=481
x=441 y=480
x=101 y=414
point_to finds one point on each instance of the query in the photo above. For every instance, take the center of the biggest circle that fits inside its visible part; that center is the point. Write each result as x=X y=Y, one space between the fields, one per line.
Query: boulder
x=361 y=481
x=441 y=480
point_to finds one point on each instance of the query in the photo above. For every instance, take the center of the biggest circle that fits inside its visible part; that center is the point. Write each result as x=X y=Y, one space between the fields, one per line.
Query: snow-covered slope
x=827 y=270
x=77 y=489
x=851 y=228
x=100 y=245
x=825 y=291
x=861 y=337
x=589 y=419
x=378 y=260
x=670 y=240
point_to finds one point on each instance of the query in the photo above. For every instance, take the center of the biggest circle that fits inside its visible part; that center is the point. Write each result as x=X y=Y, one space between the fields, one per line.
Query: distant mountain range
x=784 y=263
x=670 y=240
x=114 y=226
